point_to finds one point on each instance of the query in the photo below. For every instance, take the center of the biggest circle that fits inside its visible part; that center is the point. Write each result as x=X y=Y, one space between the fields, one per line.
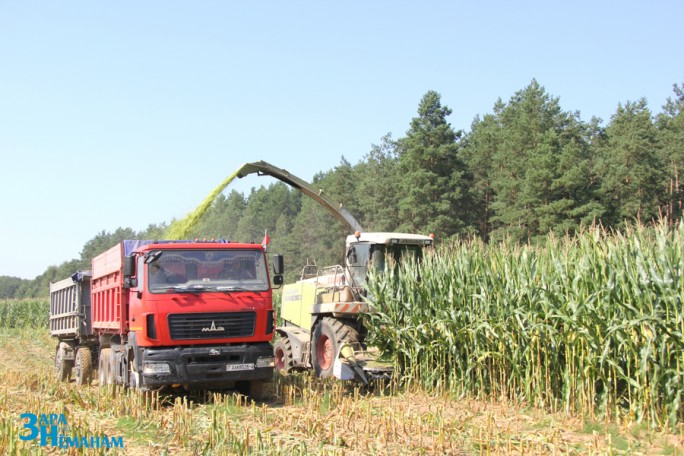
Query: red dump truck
x=153 y=314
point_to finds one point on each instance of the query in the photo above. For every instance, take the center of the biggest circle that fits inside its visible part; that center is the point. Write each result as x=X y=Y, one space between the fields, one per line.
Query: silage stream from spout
x=180 y=229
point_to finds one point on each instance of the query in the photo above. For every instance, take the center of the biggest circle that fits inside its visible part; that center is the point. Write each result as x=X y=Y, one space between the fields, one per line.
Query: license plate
x=239 y=367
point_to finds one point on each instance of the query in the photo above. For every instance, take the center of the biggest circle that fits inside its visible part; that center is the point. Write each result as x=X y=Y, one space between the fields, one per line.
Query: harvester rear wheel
x=283 y=356
x=329 y=335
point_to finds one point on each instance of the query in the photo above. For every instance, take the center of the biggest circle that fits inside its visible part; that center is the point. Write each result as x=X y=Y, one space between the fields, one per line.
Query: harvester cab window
x=358 y=257
x=400 y=253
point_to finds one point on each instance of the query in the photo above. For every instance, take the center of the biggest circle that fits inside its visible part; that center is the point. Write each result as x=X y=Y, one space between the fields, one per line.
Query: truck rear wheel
x=329 y=335
x=62 y=366
x=83 y=366
x=103 y=367
x=283 y=356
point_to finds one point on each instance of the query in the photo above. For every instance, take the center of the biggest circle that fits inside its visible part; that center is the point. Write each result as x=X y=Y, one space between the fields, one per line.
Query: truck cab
x=200 y=315
x=197 y=315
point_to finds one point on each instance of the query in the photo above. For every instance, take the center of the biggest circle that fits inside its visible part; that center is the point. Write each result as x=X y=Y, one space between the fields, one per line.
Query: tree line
x=524 y=170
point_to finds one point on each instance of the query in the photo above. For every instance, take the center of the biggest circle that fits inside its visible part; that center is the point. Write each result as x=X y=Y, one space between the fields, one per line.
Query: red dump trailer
x=153 y=314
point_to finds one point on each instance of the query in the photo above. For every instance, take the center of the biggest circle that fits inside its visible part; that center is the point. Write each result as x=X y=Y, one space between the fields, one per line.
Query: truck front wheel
x=283 y=356
x=329 y=335
x=83 y=366
x=259 y=390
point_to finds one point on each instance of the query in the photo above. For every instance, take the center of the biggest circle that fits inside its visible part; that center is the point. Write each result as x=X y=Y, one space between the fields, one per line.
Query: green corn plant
x=24 y=313
x=590 y=325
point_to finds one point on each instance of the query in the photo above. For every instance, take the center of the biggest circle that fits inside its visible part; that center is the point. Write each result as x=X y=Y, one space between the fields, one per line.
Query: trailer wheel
x=329 y=335
x=83 y=366
x=62 y=366
x=283 y=356
x=103 y=367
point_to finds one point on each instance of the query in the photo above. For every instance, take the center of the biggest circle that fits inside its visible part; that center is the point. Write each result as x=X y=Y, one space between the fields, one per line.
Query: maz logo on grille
x=213 y=328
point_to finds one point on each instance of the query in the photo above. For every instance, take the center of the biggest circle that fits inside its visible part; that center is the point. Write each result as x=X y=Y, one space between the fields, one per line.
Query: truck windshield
x=208 y=271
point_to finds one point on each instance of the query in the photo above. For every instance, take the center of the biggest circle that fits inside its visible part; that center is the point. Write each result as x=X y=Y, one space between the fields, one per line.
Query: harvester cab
x=378 y=251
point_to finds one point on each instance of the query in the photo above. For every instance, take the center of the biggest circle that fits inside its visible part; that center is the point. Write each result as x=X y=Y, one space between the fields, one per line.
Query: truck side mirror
x=278 y=267
x=278 y=264
x=129 y=272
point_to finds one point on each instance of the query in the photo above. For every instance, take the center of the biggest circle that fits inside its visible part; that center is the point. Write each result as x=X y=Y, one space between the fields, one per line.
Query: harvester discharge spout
x=262 y=168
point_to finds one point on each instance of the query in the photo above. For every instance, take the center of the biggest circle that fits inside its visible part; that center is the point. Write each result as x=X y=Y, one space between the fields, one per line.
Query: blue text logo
x=52 y=430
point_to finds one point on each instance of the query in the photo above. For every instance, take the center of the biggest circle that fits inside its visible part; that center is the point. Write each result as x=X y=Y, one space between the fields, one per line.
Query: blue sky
x=122 y=114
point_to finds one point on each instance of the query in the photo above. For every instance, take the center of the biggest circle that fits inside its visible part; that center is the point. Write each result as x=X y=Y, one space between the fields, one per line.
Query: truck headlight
x=156 y=368
x=265 y=362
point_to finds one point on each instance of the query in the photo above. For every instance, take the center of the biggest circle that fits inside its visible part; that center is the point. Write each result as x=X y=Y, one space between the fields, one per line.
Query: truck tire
x=283 y=356
x=62 y=366
x=328 y=336
x=103 y=367
x=83 y=366
x=133 y=375
x=259 y=390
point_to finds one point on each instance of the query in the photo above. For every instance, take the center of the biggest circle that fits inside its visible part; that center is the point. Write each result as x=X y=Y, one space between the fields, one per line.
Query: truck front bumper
x=218 y=366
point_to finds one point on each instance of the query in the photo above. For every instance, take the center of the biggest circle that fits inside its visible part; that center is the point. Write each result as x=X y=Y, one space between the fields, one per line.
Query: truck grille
x=212 y=325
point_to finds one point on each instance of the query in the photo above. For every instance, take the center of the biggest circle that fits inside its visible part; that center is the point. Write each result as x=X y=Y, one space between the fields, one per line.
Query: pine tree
x=670 y=125
x=378 y=187
x=631 y=169
x=434 y=182
x=541 y=172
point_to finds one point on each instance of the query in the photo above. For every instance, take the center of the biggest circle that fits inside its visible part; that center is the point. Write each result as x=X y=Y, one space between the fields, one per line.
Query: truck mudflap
x=362 y=366
x=216 y=366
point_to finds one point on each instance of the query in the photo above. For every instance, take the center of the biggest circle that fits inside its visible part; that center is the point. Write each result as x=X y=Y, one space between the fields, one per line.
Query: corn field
x=24 y=313
x=590 y=325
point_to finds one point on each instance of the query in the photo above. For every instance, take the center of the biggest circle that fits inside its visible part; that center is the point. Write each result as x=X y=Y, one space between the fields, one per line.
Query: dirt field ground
x=306 y=416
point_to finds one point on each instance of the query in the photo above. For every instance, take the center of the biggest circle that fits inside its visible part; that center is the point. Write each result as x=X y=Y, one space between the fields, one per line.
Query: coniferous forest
x=524 y=170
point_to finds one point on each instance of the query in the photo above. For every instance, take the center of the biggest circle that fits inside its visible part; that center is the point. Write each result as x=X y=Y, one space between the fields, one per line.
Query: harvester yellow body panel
x=298 y=298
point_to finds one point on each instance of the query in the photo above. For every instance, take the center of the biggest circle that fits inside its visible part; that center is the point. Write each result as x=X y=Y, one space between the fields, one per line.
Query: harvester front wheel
x=283 y=356
x=329 y=335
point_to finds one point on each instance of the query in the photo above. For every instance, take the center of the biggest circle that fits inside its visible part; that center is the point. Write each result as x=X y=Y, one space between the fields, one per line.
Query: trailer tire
x=62 y=366
x=328 y=336
x=103 y=367
x=83 y=366
x=283 y=356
